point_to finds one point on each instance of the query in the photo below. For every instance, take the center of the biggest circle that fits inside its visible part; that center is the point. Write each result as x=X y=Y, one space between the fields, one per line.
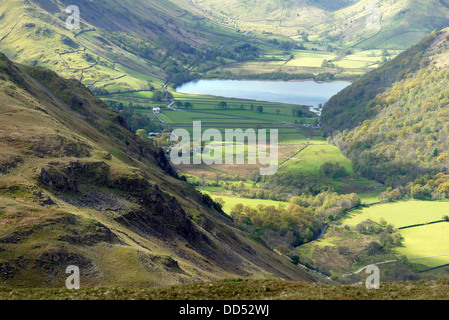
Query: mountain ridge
x=364 y=23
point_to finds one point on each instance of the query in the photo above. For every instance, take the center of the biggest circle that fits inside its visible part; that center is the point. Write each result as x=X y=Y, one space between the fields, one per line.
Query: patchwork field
x=312 y=158
x=401 y=213
x=311 y=61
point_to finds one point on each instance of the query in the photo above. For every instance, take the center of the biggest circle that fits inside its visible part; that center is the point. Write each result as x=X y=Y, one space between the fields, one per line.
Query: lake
x=310 y=93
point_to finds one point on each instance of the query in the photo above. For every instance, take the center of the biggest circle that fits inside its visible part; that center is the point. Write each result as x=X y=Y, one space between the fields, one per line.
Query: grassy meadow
x=429 y=239
x=231 y=201
x=401 y=213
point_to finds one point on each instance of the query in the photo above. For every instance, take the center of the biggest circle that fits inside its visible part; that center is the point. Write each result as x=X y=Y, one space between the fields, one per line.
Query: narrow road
x=159 y=118
x=169 y=106
x=391 y=261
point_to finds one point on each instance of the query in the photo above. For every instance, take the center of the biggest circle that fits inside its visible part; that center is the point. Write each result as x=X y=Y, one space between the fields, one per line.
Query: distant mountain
x=77 y=187
x=393 y=123
x=138 y=45
x=121 y=45
x=353 y=23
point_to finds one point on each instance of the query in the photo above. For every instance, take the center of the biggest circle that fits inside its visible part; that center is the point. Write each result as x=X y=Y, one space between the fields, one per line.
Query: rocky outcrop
x=157 y=211
x=91 y=235
x=63 y=180
x=58 y=146
x=9 y=162
x=161 y=214
x=10 y=268
x=67 y=177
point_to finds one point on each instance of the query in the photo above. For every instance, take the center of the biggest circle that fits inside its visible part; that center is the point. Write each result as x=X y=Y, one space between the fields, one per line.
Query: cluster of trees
x=386 y=233
x=287 y=185
x=429 y=187
x=290 y=225
x=328 y=205
x=358 y=102
x=135 y=119
x=426 y=187
x=163 y=141
x=297 y=111
x=297 y=223
x=281 y=186
x=161 y=95
x=185 y=105
x=252 y=192
x=246 y=52
x=284 y=44
x=409 y=137
x=328 y=64
x=333 y=170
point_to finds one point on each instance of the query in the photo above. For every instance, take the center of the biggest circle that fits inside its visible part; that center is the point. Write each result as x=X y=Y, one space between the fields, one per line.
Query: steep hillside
x=356 y=103
x=77 y=187
x=121 y=45
x=393 y=122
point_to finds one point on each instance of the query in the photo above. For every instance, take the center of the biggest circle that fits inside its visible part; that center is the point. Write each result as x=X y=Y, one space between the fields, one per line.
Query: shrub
x=333 y=170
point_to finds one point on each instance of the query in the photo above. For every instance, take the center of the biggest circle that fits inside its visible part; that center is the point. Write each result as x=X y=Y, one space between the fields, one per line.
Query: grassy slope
x=248 y=290
x=357 y=102
x=94 y=56
x=35 y=33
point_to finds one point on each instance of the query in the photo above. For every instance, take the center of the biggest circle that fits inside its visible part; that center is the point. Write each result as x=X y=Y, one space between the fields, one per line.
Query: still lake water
x=308 y=93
